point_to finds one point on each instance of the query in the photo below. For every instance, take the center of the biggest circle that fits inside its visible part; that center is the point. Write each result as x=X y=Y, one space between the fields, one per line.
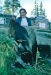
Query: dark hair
x=23 y=10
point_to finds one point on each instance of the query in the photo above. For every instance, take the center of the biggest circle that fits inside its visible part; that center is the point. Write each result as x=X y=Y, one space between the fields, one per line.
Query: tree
x=38 y=11
x=35 y=8
x=44 y=14
x=7 y=11
x=42 y=11
x=11 y=5
x=35 y=12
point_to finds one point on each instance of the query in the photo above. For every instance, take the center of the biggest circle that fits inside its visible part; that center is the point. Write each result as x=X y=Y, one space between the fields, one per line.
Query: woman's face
x=22 y=13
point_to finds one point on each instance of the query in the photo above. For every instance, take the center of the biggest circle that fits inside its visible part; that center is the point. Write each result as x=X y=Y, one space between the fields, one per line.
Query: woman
x=23 y=20
x=22 y=35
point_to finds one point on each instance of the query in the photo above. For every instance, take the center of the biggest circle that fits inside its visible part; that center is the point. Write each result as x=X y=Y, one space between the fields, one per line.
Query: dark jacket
x=18 y=20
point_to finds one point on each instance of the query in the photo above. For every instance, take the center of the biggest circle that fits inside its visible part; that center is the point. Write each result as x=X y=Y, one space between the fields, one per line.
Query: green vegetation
x=38 y=9
x=8 y=58
x=7 y=54
x=11 y=6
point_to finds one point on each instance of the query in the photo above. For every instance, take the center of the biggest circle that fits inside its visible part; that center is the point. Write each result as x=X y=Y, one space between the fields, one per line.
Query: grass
x=8 y=58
